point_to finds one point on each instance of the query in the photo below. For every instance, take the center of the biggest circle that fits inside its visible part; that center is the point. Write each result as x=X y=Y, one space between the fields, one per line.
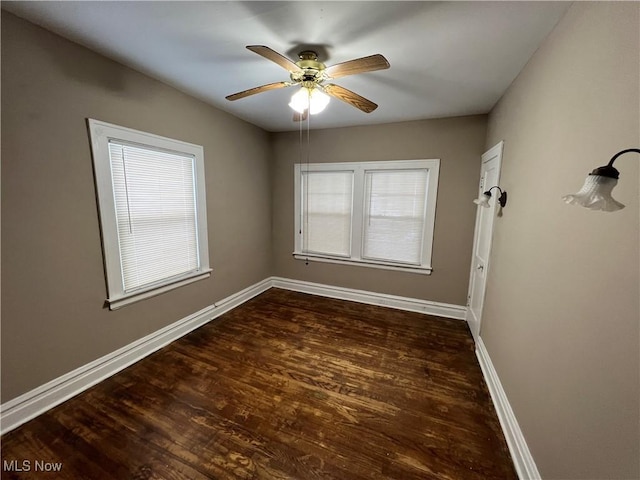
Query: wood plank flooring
x=286 y=386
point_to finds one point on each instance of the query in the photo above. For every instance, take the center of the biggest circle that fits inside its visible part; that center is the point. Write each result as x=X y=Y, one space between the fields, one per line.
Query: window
x=327 y=212
x=378 y=214
x=152 y=212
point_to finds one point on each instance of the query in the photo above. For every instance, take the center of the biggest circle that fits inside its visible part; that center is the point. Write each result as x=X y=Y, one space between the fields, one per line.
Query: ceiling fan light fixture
x=309 y=74
x=312 y=99
x=300 y=100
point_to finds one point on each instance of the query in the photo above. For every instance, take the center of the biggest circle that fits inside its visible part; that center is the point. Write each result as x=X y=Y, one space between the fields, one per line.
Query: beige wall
x=561 y=318
x=53 y=292
x=457 y=142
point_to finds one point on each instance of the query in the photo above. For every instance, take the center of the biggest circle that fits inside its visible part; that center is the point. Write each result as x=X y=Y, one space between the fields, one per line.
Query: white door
x=489 y=176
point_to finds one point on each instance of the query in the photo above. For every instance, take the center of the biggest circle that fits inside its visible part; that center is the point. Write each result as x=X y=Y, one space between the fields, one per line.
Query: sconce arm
x=502 y=199
x=609 y=170
x=488 y=192
x=613 y=159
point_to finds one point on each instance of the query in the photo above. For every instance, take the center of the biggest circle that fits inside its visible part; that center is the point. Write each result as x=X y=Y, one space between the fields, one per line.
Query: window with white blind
x=152 y=211
x=326 y=212
x=378 y=214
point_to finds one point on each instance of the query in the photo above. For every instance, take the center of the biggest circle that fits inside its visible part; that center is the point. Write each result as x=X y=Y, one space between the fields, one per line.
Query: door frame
x=495 y=151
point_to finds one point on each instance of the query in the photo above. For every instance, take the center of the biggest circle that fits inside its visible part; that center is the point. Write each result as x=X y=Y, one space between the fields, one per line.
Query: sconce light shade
x=312 y=98
x=595 y=194
x=483 y=200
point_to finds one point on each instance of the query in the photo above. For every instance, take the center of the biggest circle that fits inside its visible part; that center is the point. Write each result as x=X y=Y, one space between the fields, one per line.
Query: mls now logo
x=27 y=466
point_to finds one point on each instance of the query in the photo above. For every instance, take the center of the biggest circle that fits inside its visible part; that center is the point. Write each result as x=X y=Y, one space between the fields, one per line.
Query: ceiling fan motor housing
x=311 y=69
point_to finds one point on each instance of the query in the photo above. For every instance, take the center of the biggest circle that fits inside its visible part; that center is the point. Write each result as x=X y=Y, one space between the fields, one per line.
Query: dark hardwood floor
x=286 y=386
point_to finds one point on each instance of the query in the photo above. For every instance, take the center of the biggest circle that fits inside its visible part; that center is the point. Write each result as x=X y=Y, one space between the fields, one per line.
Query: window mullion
x=357 y=219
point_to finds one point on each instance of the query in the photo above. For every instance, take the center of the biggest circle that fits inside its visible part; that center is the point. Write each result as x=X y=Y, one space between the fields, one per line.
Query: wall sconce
x=483 y=200
x=595 y=194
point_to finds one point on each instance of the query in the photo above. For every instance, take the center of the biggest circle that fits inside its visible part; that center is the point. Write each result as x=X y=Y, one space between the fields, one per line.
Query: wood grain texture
x=287 y=386
x=359 y=65
x=255 y=90
x=275 y=57
x=352 y=98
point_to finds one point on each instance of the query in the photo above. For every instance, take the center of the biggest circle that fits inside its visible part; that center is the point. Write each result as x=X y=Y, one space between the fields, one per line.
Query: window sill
x=128 y=298
x=421 y=270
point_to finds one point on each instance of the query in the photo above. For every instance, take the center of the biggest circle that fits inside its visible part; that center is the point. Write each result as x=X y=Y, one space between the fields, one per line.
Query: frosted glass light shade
x=319 y=101
x=595 y=194
x=483 y=200
x=300 y=100
x=313 y=99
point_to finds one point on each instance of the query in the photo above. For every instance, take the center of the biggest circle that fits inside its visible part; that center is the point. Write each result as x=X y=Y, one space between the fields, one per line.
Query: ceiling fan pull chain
x=306 y=262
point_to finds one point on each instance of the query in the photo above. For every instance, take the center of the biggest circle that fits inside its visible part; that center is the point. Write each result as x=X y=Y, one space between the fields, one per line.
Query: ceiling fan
x=311 y=75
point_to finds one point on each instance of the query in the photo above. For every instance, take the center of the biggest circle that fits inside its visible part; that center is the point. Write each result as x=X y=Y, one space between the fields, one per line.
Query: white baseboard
x=35 y=402
x=522 y=458
x=372 y=298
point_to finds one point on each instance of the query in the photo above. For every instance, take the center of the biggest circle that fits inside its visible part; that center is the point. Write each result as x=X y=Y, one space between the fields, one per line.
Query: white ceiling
x=447 y=58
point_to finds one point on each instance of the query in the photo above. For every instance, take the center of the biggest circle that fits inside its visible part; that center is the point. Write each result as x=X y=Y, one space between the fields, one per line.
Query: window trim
x=357 y=213
x=100 y=134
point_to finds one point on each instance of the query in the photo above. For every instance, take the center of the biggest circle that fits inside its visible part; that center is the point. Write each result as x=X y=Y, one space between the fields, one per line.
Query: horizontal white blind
x=327 y=199
x=155 y=204
x=395 y=202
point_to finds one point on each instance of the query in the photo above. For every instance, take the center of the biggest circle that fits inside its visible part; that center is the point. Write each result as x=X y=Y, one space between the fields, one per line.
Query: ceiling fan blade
x=275 y=57
x=260 y=89
x=350 y=97
x=359 y=65
x=300 y=117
